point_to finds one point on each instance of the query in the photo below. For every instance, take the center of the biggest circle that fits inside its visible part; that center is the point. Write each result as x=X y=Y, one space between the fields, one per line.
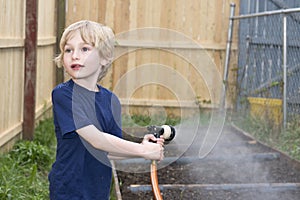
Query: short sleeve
x=83 y=107
x=70 y=109
x=62 y=110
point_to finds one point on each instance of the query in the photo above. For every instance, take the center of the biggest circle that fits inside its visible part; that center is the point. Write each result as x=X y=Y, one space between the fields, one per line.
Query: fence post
x=284 y=69
x=227 y=58
x=30 y=68
x=60 y=26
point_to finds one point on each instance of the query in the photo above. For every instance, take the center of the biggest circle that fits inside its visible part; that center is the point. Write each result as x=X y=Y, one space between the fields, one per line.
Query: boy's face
x=81 y=60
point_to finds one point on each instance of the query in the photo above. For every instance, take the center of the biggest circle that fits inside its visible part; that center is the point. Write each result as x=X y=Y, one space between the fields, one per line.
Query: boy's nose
x=75 y=55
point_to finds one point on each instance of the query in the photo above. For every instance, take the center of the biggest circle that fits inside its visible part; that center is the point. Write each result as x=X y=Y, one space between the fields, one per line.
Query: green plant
x=21 y=181
x=287 y=141
x=44 y=133
x=23 y=171
x=143 y=120
x=32 y=153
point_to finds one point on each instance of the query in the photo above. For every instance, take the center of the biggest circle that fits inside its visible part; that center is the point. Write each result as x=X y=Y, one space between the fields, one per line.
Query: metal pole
x=284 y=69
x=30 y=68
x=274 y=12
x=227 y=57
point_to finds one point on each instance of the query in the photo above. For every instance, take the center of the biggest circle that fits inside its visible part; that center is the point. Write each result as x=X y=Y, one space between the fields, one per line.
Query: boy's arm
x=115 y=157
x=120 y=148
x=147 y=138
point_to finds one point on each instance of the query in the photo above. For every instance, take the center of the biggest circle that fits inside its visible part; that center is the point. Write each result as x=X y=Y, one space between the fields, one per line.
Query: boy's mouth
x=76 y=66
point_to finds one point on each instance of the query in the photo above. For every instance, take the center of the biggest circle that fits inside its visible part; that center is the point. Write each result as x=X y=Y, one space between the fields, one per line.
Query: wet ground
x=238 y=168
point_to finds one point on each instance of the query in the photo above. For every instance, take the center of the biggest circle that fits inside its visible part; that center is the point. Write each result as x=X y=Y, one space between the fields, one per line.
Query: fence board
x=12 y=63
x=12 y=18
x=11 y=88
x=203 y=21
x=12 y=26
x=46 y=48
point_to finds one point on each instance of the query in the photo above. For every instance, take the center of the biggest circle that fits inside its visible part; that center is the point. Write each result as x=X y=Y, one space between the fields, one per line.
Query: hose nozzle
x=167 y=131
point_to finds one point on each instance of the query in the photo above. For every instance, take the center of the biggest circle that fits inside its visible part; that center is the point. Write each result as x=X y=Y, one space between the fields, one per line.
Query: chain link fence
x=268 y=74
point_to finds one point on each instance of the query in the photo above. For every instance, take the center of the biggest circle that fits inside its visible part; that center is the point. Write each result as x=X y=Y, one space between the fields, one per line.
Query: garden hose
x=154 y=181
x=168 y=132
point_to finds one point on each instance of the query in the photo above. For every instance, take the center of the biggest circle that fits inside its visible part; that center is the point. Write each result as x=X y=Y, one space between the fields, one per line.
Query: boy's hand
x=153 y=151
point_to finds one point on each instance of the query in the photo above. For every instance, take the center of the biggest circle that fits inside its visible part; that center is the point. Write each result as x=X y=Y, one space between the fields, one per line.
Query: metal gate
x=269 y=58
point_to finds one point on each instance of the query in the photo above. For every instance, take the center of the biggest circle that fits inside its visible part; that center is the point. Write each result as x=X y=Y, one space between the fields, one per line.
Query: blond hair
x=96 y=34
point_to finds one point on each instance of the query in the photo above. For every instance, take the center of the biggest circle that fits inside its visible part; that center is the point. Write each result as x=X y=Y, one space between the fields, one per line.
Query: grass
x=287 y=141
x=143 y=120
x=24 y=170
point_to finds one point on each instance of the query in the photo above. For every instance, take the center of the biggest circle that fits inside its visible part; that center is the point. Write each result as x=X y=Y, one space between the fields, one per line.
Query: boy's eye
x=68 y=50
x=85 y=49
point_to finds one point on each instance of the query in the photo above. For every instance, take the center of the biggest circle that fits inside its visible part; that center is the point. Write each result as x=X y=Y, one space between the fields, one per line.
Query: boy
x=87 y=118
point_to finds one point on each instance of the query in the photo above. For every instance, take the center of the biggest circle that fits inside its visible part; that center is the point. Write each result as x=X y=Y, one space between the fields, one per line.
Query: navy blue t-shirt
x=80 y=171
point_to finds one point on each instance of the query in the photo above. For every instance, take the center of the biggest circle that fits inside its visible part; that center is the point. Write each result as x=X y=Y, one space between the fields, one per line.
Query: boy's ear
x=104 y=62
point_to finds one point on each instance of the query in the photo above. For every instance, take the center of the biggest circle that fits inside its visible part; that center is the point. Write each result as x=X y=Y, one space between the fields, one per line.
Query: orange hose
x=154 y=181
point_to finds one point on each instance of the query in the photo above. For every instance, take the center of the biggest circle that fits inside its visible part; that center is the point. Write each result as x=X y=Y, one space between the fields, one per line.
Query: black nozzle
x=168 y=132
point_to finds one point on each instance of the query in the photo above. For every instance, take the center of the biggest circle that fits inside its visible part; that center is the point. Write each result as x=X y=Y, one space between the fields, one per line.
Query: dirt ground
x=237 y=169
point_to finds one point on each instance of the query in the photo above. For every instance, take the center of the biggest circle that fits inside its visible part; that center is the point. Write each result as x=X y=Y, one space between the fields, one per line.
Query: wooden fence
x=187 y=37
x=12 y=37
x=170 y=53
